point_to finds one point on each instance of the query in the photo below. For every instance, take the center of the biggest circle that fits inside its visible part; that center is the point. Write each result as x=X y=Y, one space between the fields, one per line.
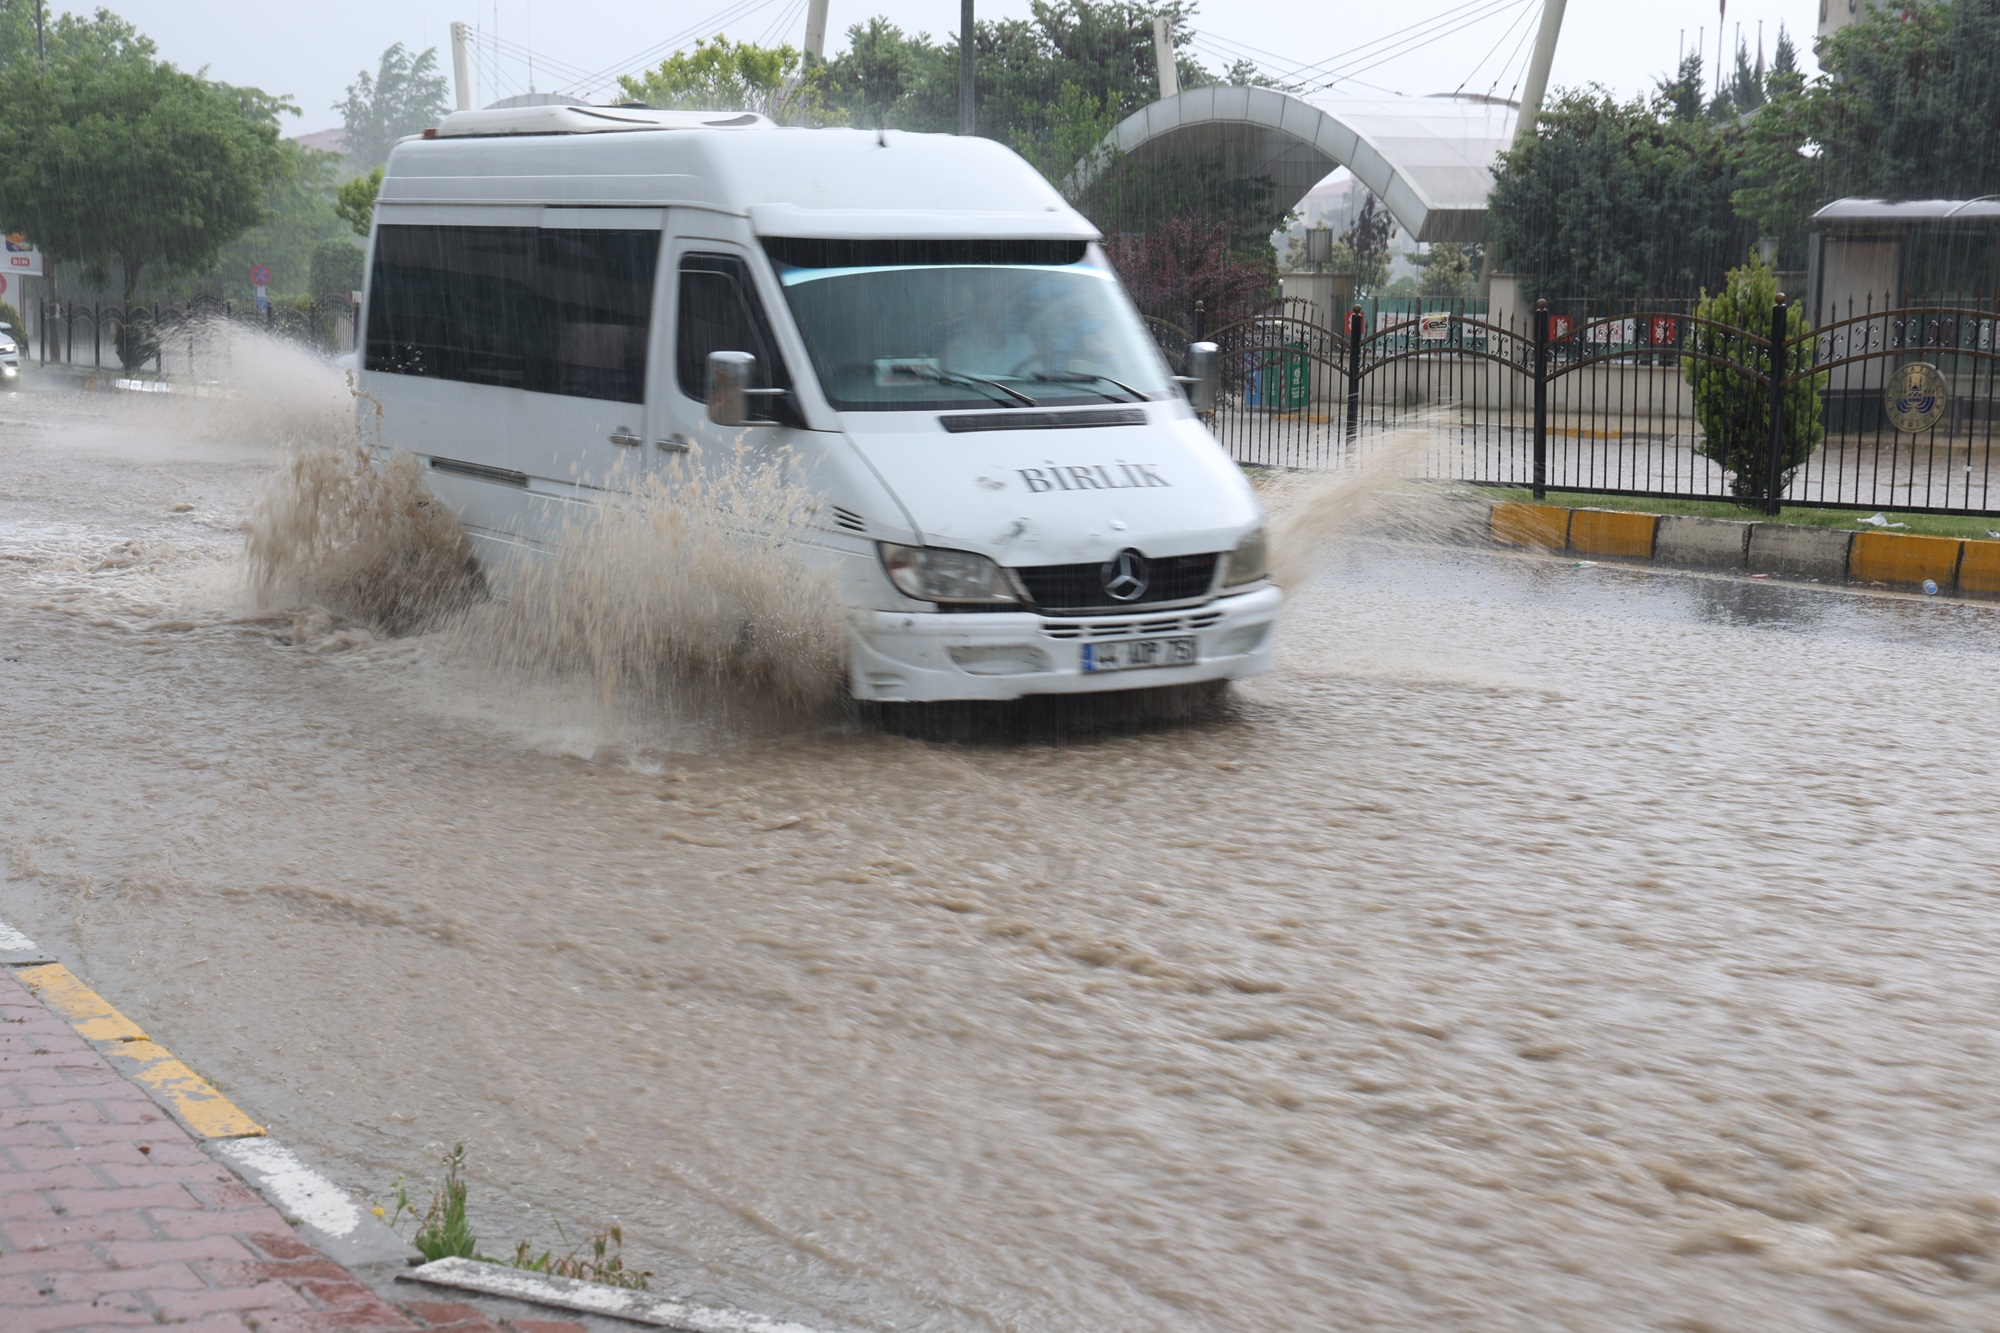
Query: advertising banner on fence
x=23 y=259
x=1434 y=325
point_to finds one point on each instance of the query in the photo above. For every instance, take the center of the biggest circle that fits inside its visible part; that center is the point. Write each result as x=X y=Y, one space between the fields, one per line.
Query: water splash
x=1369 y=491
x=367 y=542
x=691 y=588
x=695 y=583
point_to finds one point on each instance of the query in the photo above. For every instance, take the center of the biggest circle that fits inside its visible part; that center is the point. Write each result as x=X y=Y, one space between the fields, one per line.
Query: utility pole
x=965 y=66
x=460 y=69
x=1538 y=70
x=41 y=44
x=816 y=30
x=1163 y=58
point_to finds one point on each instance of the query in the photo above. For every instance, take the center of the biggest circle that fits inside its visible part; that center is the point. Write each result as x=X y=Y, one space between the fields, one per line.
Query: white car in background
x=10 y=352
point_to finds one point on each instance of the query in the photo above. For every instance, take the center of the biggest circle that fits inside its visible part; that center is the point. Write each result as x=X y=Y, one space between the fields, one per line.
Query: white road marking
x=297 y=1189
x=594 y=1298
x=13 y=941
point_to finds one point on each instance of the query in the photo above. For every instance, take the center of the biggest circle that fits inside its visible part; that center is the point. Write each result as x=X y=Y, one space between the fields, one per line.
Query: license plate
x=1125 y=654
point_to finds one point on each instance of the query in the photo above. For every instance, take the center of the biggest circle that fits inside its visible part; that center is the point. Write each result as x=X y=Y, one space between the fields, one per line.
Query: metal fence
x=1879 y=405
x=163 y=333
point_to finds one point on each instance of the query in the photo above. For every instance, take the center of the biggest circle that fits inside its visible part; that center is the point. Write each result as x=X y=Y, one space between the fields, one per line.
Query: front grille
x=1072 y=588
x=1123 y=629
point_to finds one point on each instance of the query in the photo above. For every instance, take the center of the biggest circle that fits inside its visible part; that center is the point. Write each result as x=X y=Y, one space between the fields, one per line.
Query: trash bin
x=1278 y=379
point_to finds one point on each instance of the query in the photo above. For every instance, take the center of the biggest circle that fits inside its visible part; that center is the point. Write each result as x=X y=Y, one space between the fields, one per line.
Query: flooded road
x=1541 y=947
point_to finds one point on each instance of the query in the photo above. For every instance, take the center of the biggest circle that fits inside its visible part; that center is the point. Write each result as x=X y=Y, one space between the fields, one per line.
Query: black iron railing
x=1883 y=405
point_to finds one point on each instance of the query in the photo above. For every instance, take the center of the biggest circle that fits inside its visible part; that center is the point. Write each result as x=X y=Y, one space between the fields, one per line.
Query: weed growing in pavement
x=605 y=1263
x=443 y=1231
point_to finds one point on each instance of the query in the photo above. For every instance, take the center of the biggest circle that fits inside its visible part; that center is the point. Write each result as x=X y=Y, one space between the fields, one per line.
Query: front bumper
x=927 y=657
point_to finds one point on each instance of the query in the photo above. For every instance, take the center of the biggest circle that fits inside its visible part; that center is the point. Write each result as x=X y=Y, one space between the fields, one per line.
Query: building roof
x=1429 y=159
x=1848 y=214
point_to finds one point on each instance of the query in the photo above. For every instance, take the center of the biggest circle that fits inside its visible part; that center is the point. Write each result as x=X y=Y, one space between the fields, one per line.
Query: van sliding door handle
x=673 y=444
x=625 y=437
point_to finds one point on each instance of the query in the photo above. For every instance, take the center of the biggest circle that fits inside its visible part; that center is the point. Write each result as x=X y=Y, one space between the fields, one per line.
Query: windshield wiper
x=956 y=377
x=1137 y=397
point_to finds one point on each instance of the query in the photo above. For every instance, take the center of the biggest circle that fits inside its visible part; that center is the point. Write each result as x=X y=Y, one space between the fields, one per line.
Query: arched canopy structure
x=1429 y=159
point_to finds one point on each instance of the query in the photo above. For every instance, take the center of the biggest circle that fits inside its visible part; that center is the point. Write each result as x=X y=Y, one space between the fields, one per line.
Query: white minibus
x=1014 y=494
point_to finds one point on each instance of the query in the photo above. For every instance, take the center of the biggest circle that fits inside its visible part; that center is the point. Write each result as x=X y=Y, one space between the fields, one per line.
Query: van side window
x=719 y=312
x=544 y=309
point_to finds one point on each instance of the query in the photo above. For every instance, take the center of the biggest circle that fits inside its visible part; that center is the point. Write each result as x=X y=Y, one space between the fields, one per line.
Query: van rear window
x=819 y=252
x=543 y=309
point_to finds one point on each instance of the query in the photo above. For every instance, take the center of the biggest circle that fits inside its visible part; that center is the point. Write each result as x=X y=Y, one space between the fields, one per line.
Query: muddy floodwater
x=1541 y=947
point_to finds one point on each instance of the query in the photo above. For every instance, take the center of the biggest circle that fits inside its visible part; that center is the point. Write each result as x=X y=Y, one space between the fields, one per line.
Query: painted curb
x=330 y=1221
x=1831 y=555
x=1613 y=532
x=1702 y=543
x=1979 y=568
x=1519 y=523
x=640 y=1307
x=1903 y=557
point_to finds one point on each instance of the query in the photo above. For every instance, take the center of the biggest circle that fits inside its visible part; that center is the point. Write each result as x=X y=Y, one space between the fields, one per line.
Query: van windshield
x=951 y=331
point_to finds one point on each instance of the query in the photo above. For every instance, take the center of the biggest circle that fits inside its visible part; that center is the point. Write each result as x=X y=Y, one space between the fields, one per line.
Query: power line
x=1402 y=41
x=1501 y=73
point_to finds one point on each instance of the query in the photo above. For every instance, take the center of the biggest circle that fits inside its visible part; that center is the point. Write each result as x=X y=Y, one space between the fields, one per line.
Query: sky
x=313 y=51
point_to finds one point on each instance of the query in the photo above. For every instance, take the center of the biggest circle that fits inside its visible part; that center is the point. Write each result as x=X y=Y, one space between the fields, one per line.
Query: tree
x=722 y=75
x=1367 y=240
x=1612 y=199
x=336 y=268
x=354 y=201
x=299 y=218
x=127 y=163
x=1907 y=107
x=405 y=95
x=1733 y=407
x=1449 y=268
x=1192 y=259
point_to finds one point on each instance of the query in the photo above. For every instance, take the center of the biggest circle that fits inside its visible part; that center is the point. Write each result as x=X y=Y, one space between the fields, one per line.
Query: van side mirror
x=1204 y=378
x=729 y=376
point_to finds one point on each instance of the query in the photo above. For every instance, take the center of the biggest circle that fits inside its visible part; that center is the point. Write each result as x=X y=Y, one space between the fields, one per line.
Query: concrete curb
x=1830 y=555
x=319 y=1209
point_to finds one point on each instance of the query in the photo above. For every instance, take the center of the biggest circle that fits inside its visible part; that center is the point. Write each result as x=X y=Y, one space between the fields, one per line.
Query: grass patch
x=443 y=1231
x=1935 y=525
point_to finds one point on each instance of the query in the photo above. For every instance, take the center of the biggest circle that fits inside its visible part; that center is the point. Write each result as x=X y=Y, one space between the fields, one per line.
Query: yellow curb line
x=193 y=1099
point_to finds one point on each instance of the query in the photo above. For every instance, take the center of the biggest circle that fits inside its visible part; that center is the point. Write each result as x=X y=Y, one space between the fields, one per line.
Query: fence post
x=1355 y=324
x=1541 y=474
x=1774 y=482
x=1200 y=322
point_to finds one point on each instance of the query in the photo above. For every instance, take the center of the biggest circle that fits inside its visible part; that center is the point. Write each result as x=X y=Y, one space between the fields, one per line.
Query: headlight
x=1250 y=561
x=933 y=574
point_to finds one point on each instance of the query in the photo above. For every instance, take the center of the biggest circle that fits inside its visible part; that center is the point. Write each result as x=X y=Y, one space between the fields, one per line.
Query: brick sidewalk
x=112 y=1216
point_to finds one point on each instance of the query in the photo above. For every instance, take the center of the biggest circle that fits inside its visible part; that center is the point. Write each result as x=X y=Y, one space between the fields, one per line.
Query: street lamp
x=1319 y=245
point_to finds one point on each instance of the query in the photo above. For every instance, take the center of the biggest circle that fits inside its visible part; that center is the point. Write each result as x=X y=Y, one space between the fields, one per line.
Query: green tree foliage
x=102 y=36
x=1449 y=269
x=124 y=163
x=1734 y=409
x=299 y=218
x=1910 y=102
x=722 y=75
x=405 y=95
x=336 y=268
x=1613 y=199
x=354 y=201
